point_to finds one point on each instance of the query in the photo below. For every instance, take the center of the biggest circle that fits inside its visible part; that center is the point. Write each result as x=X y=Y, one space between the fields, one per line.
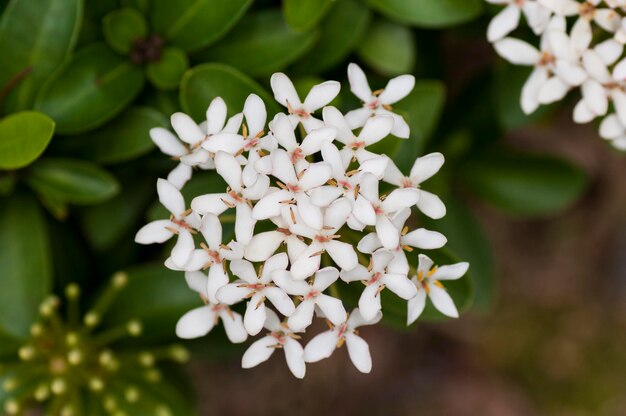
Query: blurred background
x=535 y=204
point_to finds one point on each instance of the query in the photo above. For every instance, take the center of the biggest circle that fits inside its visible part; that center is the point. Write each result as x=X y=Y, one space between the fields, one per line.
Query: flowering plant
x=585 y=53
x=316 y=196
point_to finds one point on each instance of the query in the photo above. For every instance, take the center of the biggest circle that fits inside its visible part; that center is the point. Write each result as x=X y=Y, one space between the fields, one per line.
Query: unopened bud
x=134 y=328
x=72 y=291
x=131 y=394
x=146 y=359
x=58 y=386
x=74 y=357
x=120 y=279
x=27 y=352
x=96 y=384
x=91 y=319
x=179 y=354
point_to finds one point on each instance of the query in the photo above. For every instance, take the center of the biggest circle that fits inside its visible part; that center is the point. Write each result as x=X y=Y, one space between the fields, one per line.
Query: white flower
x=171 y=146
x=376 y=278
x=537 y=17
x=312 y=295
x=428 y=283
x=380 y=101
x=614 y=130
x=263 y=245
x=280 y=336
x=182 y=222
x=423 y=169
x=319 y=96
x=257 y=288
x=323 y=345
x=419 y=238
x=370 y=209
x=200 y=321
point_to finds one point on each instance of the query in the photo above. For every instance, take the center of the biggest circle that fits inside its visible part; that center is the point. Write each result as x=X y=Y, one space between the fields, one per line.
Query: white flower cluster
x=581 y=45
x=291 y=200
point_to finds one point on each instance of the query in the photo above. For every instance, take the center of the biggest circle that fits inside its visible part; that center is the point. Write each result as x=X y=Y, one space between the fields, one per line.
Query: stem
x=12 y=83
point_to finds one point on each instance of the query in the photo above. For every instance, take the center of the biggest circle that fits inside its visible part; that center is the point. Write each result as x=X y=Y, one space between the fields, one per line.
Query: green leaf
x=167 y=72
x=95 y=86
x=524 y=184
x=36 y=37
x=334 y=31
x=195 y=24
x=303 y=15
x=155 y=295
x=72 y=181
x=422 y=110
x=389 y=48
x=122 y=27
x=204 y=82
x=429 y=13
x=125 y=138
x=23 y=138
x=8 y=350
x=25 y=263
x=260 y=44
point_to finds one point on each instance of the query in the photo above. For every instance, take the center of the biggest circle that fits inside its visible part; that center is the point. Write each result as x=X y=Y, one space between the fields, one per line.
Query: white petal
x=225 y=142
x=442 y=301
x=233 y=124
x=375 y=129
x=270 y=205
x=197 y=157
x=154 y=232
x=343 y=254
x=309 y=213
x=229 y=169
x=358 y=83
x=400 y=198
x=581 y=35
x=337 y=213
x=321 y=346
x=572 y=73
x=263 y=245
x=582 y=113
x=503 y=23
x=181 y=253
x=280 y=300
x=180 y=175
x=196 y=323
x=393 y=175
x=416 y=306
x=619 y=101
x=211 y=230
x=217 y=279
x=216 y=115
x=294 y=354
x=369 y=302
x=282 y=167
x=282 y=130
x=244 y=224
x=431 y=205
x=357 y=118
x=315 y=175
x=530 y=91
x=376 y=166
x=356 y=320
x=233 y=325
x=359 y=353
x=595 y=66
x=303 y=315
x=369 y=243
x=517 y=51
x=423 y=238
x=320 y=95
x=313 y=141
x=324 y=278
x=610 y=50
x=306 y=264
x=333 y=309
x=284 y=91
x=334 y=118
x=364 y=211
x=400 y=128
x=397 y=88
x=552 y=90
x=255 y=315
x=607 y=19
x=186 y=128
x=286 y=282
x=426 y=166
x=260 y=351
x=388 y=234
x=210 y=203
x=451 y=272
x=196 y=281
x=170 y=197
x=323 y=196
x=611 y=128
x=400 y=285
x=232 y=293
x=255 y=113
x=359 y=272
x=167 y=142
x=425 y=264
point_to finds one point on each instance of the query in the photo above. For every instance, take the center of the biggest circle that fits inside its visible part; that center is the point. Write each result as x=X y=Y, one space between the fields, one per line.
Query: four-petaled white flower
x=379 y=102
x=507 y=20
x=428 y=284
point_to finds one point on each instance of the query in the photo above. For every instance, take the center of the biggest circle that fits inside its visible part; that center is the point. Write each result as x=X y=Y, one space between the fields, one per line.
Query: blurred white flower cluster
x=580 y=45
x=293 y=198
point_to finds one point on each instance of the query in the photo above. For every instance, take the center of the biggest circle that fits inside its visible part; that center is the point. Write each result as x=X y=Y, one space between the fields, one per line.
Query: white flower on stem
x=283 y=132
x=379 y=102
x=428 y=284
x=169 y=144
x=293 y=189
x=423 y=169
x=256 y=143
x=376 y=278
x=370 y=209
x=237 y=196
x=311 y=295
x=323 y=345
x=214 y=130
x=507 y=20
x=614 y=130
x=319 y=96
x=200 y=321
x=182 y=222
x=263 y=245
x=280 y=336
x=215 y=254
x=258 y=288
x=557 y=66
x=324 y=239
x=418 y=238
x=375 y=129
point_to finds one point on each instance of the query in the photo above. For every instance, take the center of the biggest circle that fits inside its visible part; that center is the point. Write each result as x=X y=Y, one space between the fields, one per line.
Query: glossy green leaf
x=125 y=138
x=8 y=349
x=167 y=72
x=155 y=295
x=334 y=31
x=36 y=37
x=195 y=24
x=524 y=184
x=23 y=138
x=95 y=86
x=122 y=27
x=429 y=13
x=260 y=44
x=303 y=15
x=389 y=48
x=204 y=82
x=72 y=181
x=25 y=263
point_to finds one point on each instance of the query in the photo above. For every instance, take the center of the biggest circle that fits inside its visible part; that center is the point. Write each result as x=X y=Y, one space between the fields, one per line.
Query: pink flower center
x=301 y=113
x=345 y=184
x=374 y=278
x=255 y=286
x=342 y=330
x=250 y=143
x=293 y=188
x=280 y=337
x=181 y=223
x=374 y=104
x=311 y=294
x=355 y=145
x=296 y=155
x=236 y=197
x=406 y=183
